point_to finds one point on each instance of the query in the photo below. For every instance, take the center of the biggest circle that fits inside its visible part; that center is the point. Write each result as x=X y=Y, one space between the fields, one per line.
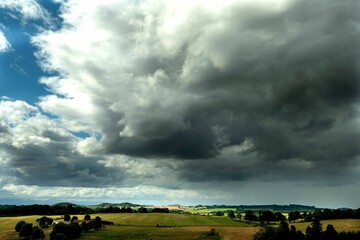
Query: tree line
x=267 y=215
x=313 y=232
x=25 y=210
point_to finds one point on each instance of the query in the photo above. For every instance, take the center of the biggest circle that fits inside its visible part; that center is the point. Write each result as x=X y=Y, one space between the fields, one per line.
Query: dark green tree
x=87 y=217
x=266 y=216
x=26 y=231
x=314 y=231
x=19 y=225
x=69 y=231
x=292 y=216
x=74 y=219
x=98 y=223
x=45 y=222
x=267 y=233
x=279 y=217
x=142 y=210
x=37 y=233
x=250 y=216
x=67 y=218
x=330 y=233
x=231 y=214
x=283 y=232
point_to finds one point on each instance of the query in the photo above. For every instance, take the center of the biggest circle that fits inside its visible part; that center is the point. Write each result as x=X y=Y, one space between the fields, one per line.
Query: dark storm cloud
x=235 y=92
x=55 y=163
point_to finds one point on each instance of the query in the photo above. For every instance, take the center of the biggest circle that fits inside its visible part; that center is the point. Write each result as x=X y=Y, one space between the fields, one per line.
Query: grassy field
x=172 y=226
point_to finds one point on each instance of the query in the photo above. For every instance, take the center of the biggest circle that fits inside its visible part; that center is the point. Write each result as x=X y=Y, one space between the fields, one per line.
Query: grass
x=138 y=226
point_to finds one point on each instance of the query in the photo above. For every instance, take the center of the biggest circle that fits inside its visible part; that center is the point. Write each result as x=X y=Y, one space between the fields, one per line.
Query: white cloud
x=141 y=193
x=4 y=44
x=245 y=89
x=29 y=9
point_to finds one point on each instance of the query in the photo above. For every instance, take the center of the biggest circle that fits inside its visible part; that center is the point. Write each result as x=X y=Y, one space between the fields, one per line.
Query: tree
x=250 y=216
x=266 y=216
x=37 y=233
x=44 y=222
x=279 y=217
x=314 y=231
x=267 y=233
x=98 y=222
x=283 y=230
x=69 y=231
x=238 y=215
x=19 y=225
x=294 y=216
x=67 y=218
x=142 y=210
x=74 y=219
x=87 y=217
x=26 y=231
x=219 y=213
x=231 y=214
x=330 y=233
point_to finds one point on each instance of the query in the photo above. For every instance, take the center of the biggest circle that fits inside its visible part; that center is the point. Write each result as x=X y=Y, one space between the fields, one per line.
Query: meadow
x=138 y=226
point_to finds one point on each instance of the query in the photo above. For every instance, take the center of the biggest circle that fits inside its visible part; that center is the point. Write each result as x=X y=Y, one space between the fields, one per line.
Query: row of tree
x=69 y=229
x=130 y=210
x=25 y=210
x=59 y=209
x=325 y=214
x=313 y=232
x=267 y=215
x=27 y=231
x=264 y=216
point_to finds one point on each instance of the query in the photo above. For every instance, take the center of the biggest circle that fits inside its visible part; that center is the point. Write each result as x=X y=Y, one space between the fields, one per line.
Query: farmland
x=138 y=226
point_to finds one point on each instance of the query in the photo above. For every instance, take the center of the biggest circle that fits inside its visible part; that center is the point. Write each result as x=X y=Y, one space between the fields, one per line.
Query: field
x=138 y=226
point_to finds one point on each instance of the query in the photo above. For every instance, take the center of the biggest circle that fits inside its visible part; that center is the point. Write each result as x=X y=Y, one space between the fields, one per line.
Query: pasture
x=138 y=226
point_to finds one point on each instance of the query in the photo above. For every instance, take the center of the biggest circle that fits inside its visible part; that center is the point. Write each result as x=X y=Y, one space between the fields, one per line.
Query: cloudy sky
x=188 y=102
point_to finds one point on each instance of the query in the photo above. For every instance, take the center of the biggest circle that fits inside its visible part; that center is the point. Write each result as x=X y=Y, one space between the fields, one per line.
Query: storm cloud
x=231 y=91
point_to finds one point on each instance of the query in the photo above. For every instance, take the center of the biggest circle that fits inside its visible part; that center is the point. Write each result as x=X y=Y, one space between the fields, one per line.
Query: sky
x=180 y=102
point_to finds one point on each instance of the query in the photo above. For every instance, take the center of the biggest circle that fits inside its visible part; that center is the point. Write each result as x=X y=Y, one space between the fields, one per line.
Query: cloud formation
x=24 y=9
x=4 y=44
x=229 y=91
x=193 y=80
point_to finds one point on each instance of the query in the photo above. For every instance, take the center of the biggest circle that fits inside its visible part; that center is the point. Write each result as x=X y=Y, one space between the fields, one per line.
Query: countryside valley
x=135 y=222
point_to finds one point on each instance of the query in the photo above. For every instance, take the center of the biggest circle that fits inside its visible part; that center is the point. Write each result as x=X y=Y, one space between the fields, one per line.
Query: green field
x=138 y=226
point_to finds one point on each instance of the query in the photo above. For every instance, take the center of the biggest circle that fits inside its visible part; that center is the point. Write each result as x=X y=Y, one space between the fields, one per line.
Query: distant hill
x=119 y=205
x=271 y=207
x=64 y=204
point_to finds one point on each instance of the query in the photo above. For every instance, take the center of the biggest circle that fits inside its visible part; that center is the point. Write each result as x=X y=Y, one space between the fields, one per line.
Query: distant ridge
x=272 y=207
x=64 y=204
x=120 y=205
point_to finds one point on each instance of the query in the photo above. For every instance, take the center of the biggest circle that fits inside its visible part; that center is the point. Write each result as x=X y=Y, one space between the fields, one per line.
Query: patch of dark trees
x=130 y=210
x=326 y=214
x=25 y=210
x=313 y=232
x=112 y=209
x=272 y=207
x=61 y=209
x=264 y=216
x=71 y=228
